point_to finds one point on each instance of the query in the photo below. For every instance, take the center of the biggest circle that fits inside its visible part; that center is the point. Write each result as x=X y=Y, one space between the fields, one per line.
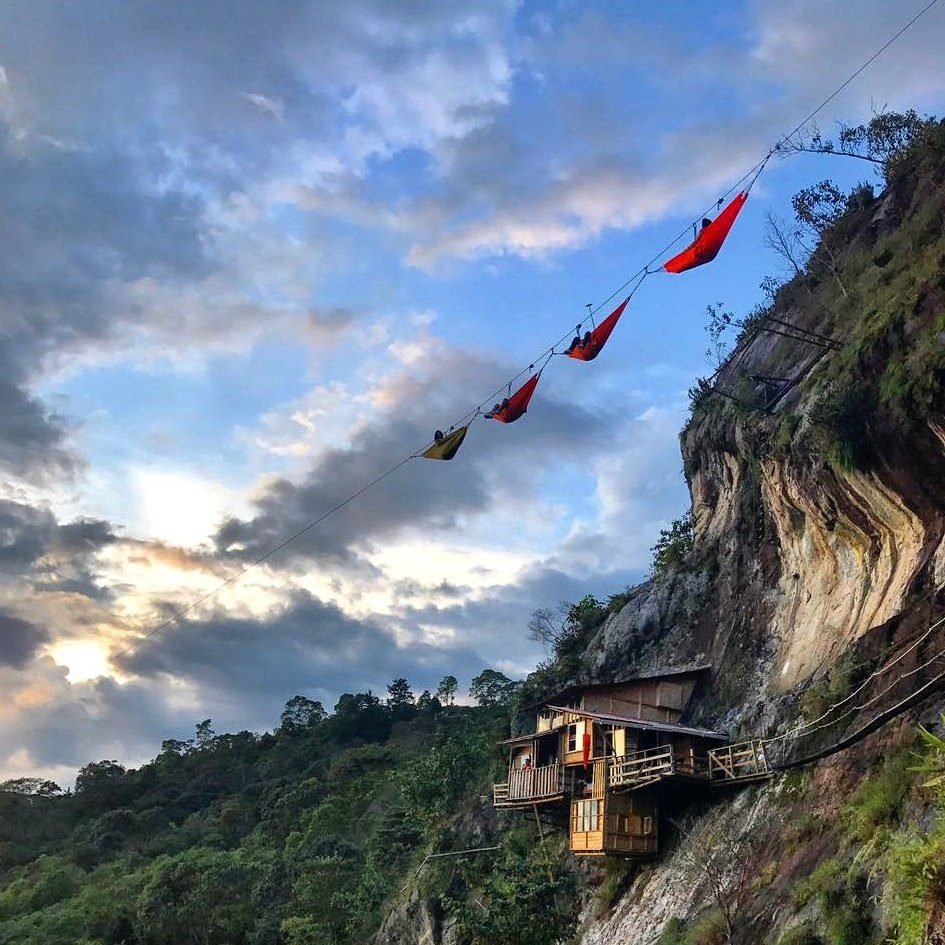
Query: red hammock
x=708 y=243
x=516 y=405
x=587 y=351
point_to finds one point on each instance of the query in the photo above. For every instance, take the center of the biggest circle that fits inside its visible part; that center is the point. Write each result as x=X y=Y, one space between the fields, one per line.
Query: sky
x=252 y=255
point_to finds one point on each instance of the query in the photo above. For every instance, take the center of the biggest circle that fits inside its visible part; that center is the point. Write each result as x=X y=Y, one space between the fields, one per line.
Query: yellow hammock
x=448 y=446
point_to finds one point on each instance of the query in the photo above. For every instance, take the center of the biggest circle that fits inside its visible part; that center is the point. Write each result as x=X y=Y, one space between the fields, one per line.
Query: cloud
x=33 y=543
x=574 y=157
x=435 y=384
x=52 y=727
x=19 y=640
x=304 y=645
x=275 y=108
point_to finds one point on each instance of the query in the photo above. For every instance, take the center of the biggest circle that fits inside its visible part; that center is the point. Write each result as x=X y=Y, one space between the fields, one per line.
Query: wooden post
x=544 y=850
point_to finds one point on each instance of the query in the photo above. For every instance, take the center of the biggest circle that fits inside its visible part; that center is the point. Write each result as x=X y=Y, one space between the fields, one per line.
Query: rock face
x=814 y=526
x=818 y=531
x=826 y=517
x=416 y=921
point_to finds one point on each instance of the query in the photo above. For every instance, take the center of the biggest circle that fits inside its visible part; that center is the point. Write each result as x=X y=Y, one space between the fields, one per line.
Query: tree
x=360 y=715
x=400 y=699
x=550 y=627
x=30 y=787
x=817 y=210
x=399 y=693
x=728 y=862
x=492 y=688
x=819 y=206
x=567 y=630
x=883 y=140
x=446 y=691
x=205 y=733
x=673 y=544
x=300 y=713
x=98 y=774
x=718 y=323
x=783 y=239
x=197 y=896
x=427 y=702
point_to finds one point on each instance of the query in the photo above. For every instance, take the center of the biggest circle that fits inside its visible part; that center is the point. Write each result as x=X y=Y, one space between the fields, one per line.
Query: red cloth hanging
x=708 y=243
x=517 y=404
x=586 y=745
x=587 y=351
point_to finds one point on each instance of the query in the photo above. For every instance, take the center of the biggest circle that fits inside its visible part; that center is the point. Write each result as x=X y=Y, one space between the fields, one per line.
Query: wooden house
x=602 y=752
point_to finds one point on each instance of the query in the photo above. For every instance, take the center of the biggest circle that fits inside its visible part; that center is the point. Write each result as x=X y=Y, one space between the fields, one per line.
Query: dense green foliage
x=295 y=837
x=525 y=897
x=673 y=545
x=915 y=855
x=867 y=270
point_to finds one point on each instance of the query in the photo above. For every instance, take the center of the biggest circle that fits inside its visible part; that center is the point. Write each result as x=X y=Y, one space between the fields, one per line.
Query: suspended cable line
x=265 y=557
x=812 y=724
x=853 y=710
x=638 y=277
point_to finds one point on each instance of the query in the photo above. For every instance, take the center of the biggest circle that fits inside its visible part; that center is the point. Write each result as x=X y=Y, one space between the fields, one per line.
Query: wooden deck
x=744 y=761
x=527 y=786
x=642 y=767
x=731 y=763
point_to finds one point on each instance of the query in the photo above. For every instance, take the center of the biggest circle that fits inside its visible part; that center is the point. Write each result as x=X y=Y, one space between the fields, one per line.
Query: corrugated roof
x=643 y=723
x=639 y=677
x=527 y=738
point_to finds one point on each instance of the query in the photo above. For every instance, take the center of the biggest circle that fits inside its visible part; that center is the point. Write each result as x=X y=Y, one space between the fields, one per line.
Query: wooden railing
x=525 y=784
x=641 y=766
x=691 y=763
x=535 y=782
x=737 y=762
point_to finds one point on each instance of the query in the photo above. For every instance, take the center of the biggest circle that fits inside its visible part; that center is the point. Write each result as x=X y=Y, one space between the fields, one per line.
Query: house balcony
x=640 y=768
x=527 y=786
x=745 y=761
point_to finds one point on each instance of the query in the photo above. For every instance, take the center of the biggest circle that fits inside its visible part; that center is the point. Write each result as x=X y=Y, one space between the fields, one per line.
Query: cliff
x=817 y=548
x=815 y=527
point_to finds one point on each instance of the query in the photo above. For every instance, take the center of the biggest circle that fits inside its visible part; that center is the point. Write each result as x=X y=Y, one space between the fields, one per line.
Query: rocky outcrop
x=819 y=533
x=816 y=529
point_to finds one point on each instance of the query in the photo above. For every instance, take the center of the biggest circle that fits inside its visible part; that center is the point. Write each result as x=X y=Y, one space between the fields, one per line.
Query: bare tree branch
x=784 y=241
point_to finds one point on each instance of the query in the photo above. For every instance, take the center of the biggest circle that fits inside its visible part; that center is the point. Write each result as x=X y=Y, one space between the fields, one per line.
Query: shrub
x=877 y=801
x=673 y=545
x=843 y=415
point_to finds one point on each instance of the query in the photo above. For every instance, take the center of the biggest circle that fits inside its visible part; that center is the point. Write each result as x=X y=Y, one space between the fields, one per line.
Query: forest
x=296 y=835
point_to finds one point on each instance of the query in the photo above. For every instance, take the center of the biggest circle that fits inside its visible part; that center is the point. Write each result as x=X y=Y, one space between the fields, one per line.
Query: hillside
x=813 y=557
x=295 y=836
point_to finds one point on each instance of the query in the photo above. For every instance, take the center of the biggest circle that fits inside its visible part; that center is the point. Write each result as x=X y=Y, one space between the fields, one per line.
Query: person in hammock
x=496 y=407
x=578 y=342
x=437 y=436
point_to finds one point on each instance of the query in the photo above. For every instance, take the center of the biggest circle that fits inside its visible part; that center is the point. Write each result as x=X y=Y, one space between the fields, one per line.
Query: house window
x=647 y=826
x=587 y=816
x=572 y=738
